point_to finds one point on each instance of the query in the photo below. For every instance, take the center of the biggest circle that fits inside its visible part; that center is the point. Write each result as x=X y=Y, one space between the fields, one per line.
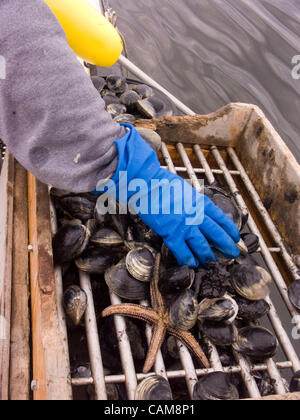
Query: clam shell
x=153 y=388
x=223 y=310
x=251 y=282
x=256 y=342
x=176 y=279
x=219 y=333
x=215 y=386
x=107 y=238
x=140 y=263
x=123 y=284
x=183 y=312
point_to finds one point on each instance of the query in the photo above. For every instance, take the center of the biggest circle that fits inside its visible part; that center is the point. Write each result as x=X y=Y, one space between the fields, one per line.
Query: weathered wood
x=6 y=223
x=19 y=384
x=51 y=367
x=221 y=128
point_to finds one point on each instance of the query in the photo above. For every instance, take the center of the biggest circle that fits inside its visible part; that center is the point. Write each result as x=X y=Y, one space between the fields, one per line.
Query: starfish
x=158 y=316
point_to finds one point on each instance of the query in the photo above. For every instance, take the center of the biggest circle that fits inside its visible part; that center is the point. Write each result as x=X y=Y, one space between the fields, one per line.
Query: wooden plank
x=51 y=367
x=6 y=223
x=19 y=384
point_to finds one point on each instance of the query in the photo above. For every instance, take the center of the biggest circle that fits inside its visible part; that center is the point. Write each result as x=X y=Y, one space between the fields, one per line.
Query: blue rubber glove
x=186 y=230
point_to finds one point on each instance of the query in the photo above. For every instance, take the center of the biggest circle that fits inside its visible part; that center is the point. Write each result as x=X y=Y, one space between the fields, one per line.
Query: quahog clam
x=153 y=388
x=123 y=284
x=140 y=263
x=250 y=282
x=219 y=310
x=177 y=279
x=183 y=312
x=107 y=238
x=256 y=342
x=75 y=303
x=219 y=333
x=215 y=386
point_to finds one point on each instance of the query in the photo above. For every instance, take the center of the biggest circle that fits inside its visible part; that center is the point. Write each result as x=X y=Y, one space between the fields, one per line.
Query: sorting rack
x=211 y=163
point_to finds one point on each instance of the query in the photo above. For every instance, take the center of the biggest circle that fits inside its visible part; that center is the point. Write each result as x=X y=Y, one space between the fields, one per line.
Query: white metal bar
x=93 y=339
x=125 y=350
x=209 y=173
x=174 y=374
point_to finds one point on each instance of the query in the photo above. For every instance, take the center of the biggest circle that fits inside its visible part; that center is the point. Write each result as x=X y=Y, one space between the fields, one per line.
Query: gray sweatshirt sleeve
x=51 y=117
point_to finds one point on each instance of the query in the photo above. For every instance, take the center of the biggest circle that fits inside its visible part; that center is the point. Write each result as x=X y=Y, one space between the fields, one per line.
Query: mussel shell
x=140 y=263
x=81 y=370
x=75 y=303
x=215 y=386
x=153 y=388
x=143 y=91
x=146 y=108
x=251 y=241
x=219 y=310
x=250 y=282
x=162 y=107
x=129 y=118
x=116 y=83
x=129 y=98
x=69 y=242
x=183 y=312
x=219 y=333
x=79 y=207
x=123 y=284
x=256 y=342
x=252 y=310
x=111 y=100
x=107 y=238
x=116 y=109
x=176 y=279
x=294 y=294
x=94 y=261
x=295 y=382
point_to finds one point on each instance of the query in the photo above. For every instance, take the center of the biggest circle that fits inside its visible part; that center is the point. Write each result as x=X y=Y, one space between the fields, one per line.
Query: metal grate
x=210 y=164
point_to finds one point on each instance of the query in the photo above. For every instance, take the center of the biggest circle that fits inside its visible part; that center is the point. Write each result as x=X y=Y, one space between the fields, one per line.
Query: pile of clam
x=220 y=303
x=127 y=101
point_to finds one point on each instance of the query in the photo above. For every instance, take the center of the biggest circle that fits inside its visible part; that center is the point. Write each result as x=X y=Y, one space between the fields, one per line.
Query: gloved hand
x=187 y=221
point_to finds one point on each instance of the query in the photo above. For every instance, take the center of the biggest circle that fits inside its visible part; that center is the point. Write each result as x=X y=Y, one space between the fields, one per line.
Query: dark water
x=212 y=52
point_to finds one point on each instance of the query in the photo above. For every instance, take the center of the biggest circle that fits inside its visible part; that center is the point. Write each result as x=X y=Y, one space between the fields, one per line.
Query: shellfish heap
x=127 y=101
x=220 y=302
